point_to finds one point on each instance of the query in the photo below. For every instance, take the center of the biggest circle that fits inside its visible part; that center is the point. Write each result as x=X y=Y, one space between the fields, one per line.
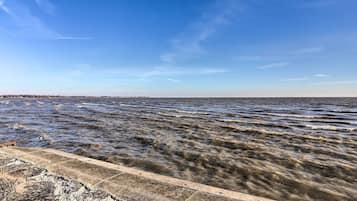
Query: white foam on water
x=190 y=112
x=330 y=127
x=17 y=126
x=58 y=107
x=127 y=105
x=293 y=115
x=6 y=102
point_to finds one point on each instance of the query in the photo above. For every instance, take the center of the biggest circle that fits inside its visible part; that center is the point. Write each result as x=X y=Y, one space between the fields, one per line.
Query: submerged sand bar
x=120 y=181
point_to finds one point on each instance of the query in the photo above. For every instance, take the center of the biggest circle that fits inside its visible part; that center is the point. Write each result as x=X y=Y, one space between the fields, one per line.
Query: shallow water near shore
x=281 y=148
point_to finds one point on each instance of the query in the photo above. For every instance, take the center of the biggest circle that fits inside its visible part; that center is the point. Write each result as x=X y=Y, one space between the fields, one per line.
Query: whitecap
x=293 y=115
x=6 y=102
x=330 y=127
x=58 y=107
x=17 y=126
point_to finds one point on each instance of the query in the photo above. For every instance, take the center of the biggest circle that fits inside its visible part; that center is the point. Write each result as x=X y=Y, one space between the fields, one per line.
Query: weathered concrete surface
x=22 y=181
x=123 y=183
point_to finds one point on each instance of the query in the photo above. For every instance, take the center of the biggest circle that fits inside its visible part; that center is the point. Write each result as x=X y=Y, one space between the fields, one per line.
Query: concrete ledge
x=123 y=182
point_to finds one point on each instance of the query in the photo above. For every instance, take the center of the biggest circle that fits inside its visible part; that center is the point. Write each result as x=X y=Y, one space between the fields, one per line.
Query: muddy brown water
x=281 y=148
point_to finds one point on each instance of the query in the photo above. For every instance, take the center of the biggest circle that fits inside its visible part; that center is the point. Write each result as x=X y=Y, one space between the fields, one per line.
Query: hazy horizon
x=211 y=48
x=198 y=97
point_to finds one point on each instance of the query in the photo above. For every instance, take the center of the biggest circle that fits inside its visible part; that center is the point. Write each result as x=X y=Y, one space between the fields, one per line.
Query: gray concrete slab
x=149 y=186
x=20 y=181
x=123 y=182
x=199 y=196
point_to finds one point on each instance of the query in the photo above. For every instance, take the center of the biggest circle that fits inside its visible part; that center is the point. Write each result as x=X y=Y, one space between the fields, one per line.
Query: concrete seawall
x=122 y=182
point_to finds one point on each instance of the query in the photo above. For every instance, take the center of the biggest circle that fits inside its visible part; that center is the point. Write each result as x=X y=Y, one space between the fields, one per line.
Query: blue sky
x=179 y=48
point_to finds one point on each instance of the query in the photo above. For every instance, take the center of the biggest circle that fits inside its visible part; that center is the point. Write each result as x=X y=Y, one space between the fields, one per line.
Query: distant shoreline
x=62 y=96
x=168 y=97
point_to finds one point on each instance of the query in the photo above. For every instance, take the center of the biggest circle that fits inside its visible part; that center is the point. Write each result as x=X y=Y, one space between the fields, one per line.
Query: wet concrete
x=47 y=174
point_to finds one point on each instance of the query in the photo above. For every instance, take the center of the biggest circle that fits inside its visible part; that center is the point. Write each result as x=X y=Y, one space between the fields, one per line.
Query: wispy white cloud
x=178 y=71
x=46 y=6
x=173 y=80
x=274 y=65
x=340 y=82
x=294 y=79
x=87 y=70
x=285 y=54
x=72 y=38
x=4 y=8
x=309 y=50
x=189 y=44
x=321 y=75
x=316 y=76
x=30 y=25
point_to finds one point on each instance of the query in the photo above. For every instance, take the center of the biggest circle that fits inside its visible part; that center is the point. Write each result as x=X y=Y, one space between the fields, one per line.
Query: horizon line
x=108 y=96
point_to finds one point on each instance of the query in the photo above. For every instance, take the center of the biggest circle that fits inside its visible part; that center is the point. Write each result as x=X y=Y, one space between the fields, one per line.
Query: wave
x=40 y=102
x=165 y=109
x=252 y=130
x=333 y=121
x=28 y=103
x=191 y=112
x=127 y=105
x=6 y=102
x=344 y=111
x=91 y=104
x=310 y=118
x=137 y=106
x=257 y=123
x=58 y=107
x=97 y=107
x=17 y=126
x=293 y=115
x=330 y=128
x=179 y=115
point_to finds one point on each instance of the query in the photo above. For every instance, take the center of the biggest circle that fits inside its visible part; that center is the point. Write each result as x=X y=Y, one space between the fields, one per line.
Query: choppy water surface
x=287 y=149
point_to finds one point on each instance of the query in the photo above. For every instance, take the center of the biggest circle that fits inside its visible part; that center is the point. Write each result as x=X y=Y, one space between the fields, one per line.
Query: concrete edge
x=161 y=178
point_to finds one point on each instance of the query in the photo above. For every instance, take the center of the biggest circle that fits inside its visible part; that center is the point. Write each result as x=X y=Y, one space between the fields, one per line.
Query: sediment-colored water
x=286 y=149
